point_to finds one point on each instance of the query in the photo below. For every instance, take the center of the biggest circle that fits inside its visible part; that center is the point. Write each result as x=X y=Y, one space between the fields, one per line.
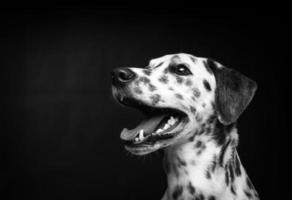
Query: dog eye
x=180 y=69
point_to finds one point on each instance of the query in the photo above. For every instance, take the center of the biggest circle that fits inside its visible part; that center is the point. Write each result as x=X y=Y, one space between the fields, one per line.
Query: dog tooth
x=141 y=134
x=166 y=126
x=136 y=139
x=171 y=122
x=159 y=130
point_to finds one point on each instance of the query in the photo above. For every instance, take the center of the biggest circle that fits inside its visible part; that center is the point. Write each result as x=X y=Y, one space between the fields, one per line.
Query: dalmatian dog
x=191 y=105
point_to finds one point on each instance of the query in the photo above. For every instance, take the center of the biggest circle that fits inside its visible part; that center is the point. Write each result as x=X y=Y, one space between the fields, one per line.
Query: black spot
x=144 y=79
x=232 y=189
x=179 y=96
x=198 y=118
x=226 y=177
x=211 y=119
x=181 y=162
x=222 y=153
x=231 y=173
x=193 y=59
x=203 y=147
x=213 y=108
x=170 y=88
x=200 y=197
x=137 y=83
x=199 y=144
x=208 y=174
x=147 y=72
x=192 y=137
x=199 y=152
x=189 y=82
x=210 y=65
x=159 y=65
x=152 y=87
x=166 y=70
x=193 y=110
x=214 y=164
x=191 y=189
x=208 y=129
x=248 y=194
x=179 y=79
x=249 y=184
x=177 y=192
x=137 y=90
x=155 y=99
x=163 y=79
x=211 y=198
x=202 y=130
x=196 y=92
x=237 y=166
x=175 y=169
x=207 y=85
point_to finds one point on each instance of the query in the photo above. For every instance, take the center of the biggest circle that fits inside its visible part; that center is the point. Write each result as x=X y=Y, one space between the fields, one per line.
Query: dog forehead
x=196 y=64
x=169 y=58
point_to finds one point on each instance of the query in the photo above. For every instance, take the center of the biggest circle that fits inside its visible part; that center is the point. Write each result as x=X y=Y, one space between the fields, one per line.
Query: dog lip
x=141 y=149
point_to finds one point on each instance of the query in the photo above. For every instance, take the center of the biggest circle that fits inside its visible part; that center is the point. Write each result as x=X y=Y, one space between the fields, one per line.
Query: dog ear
x=233 y=93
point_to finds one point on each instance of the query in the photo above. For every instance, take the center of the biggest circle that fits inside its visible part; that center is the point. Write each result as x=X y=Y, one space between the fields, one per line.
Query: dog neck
x=207 y=166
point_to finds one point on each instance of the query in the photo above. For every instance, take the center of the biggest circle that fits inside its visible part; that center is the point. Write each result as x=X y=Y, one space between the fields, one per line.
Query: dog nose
x=121 y=76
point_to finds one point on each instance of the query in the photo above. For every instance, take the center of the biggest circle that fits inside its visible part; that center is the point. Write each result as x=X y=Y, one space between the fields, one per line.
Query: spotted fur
x=202 y=162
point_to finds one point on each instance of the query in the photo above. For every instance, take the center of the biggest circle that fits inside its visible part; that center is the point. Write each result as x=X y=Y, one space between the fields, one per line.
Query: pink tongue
x=148 y=125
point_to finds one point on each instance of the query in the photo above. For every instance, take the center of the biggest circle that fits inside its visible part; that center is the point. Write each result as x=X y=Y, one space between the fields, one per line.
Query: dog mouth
x=159 y=125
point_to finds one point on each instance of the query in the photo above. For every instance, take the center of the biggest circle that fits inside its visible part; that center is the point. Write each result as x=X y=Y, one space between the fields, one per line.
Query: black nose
x=121 y=76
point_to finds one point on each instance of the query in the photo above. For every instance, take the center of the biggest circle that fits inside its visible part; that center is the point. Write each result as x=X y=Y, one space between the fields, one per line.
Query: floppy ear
x=233 y=92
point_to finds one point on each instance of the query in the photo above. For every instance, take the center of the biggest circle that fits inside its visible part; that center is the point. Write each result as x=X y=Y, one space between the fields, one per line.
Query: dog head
x=178 y=93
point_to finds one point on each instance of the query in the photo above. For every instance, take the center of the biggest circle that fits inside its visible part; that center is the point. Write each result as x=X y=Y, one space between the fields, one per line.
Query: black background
x=60 y=128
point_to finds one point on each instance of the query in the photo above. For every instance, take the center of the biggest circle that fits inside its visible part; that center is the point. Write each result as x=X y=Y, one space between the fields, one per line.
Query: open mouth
x=160 y=124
